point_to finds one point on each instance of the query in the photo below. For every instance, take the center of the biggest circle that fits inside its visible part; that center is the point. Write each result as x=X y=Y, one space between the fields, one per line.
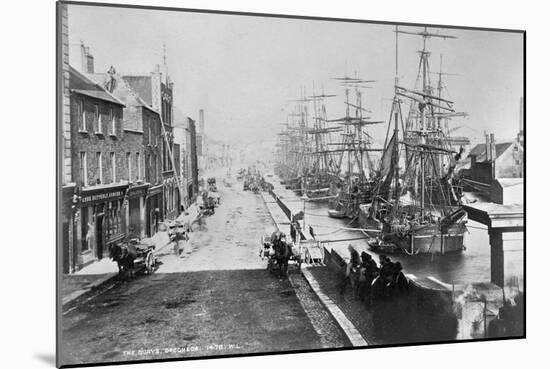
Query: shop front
x=135 y=210
x=154 y=209
x=101 y=221
x=171 y=198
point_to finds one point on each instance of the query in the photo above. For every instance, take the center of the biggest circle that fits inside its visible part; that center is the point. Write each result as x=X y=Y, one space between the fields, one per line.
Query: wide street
x=216 y=298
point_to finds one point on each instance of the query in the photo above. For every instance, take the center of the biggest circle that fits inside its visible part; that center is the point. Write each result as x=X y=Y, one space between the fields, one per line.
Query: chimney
x=89 y=61
x=487 y=147
x=156 y=80
x=201 y=121
x=493 y=148
x=83 y=65
x=86 y=59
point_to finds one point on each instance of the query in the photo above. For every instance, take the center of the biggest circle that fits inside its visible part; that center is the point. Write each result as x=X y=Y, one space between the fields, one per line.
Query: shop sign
x=102 y=195
x=155 y=190
x=140 y=191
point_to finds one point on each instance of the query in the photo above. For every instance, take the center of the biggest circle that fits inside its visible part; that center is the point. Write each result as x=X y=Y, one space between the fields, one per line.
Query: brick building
x=146 y=200
x=118 y=179
x=164 y=196
x=99 y=168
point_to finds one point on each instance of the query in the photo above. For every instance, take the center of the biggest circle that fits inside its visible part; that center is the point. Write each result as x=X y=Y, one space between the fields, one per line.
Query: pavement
x=214 y=298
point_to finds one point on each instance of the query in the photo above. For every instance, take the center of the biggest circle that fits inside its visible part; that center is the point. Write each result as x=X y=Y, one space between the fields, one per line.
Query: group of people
x=372 y=283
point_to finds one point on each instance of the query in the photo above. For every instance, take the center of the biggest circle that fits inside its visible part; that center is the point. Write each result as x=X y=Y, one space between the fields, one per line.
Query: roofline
x=116 y=102
x=96 y=84
x=150 y=108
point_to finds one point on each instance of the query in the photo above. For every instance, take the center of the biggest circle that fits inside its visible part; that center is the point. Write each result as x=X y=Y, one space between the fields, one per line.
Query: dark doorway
x=135 y=219
x=65 y=249
x=99 y=233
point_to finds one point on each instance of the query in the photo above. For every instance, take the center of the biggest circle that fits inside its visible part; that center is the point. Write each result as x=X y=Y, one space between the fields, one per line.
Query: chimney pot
x=487 y=147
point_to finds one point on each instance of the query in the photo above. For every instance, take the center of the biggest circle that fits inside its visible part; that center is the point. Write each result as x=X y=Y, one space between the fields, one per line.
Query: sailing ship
x=416 y=210
x=356 y=187
x=305 y=164
x=292 y=141
x=320 y=176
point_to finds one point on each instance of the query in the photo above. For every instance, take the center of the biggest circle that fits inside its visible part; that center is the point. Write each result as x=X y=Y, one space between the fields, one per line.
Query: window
x=150 y=134
x=99 y=168
x=83 y=168
x=155 y=174
x=113 y=123
x=113 y=167
x=83 y=116
x=138 y=172
x=129 y=165
x=147 y=167
x=98 y=119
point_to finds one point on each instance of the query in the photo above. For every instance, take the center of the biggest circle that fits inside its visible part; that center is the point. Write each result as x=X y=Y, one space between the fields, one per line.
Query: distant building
x=187 y=156
x=194 y=164
x=495 y=160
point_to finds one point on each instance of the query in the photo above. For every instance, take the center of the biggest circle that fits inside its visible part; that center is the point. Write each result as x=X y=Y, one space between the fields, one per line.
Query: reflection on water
x=472 y=265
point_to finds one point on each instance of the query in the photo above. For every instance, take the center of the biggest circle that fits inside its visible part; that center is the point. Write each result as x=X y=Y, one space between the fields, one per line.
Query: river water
x=471 y=266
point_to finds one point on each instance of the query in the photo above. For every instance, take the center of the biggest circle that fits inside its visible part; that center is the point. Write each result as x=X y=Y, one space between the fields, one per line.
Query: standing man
x=282 y=254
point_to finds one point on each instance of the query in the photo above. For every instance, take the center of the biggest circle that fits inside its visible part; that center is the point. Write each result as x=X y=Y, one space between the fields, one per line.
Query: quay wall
x=437 y=311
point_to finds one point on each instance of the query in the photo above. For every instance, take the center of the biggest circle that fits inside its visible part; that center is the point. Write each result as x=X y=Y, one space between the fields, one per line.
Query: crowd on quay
x=382 y=288
x=254 y=181
x=370 y=281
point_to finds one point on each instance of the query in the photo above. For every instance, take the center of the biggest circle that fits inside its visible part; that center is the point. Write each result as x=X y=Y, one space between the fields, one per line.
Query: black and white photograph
x=235 y=184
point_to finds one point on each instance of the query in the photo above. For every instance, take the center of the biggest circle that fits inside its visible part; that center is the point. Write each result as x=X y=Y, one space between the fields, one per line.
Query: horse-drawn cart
x=279 y=253
x=133 y=256
x=144 y=258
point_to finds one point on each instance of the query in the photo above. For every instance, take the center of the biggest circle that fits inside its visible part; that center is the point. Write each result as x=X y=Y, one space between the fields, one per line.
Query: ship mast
x=425 y=126
x=396 y=110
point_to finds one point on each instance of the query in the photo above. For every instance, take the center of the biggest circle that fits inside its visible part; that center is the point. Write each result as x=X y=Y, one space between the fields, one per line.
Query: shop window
x=114 y=219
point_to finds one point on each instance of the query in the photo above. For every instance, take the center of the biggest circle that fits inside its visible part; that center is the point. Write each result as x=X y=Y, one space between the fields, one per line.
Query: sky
x=243 y=70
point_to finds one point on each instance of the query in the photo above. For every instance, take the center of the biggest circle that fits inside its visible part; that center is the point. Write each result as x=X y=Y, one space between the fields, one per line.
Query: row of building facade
x=128 y=164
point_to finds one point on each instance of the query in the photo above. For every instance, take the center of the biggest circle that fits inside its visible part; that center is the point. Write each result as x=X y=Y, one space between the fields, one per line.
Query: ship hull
x=338 y=214
x=420 y=240
x=319 y=195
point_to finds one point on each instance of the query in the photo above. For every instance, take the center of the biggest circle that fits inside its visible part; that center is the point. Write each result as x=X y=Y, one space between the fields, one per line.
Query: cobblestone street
x=214 y=299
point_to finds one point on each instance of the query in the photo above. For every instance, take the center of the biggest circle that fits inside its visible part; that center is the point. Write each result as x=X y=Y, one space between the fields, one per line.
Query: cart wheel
x=150 y=263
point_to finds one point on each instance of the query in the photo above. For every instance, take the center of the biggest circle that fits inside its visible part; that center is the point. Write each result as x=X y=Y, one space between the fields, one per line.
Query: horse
x=124 y=259
x=283 y=252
